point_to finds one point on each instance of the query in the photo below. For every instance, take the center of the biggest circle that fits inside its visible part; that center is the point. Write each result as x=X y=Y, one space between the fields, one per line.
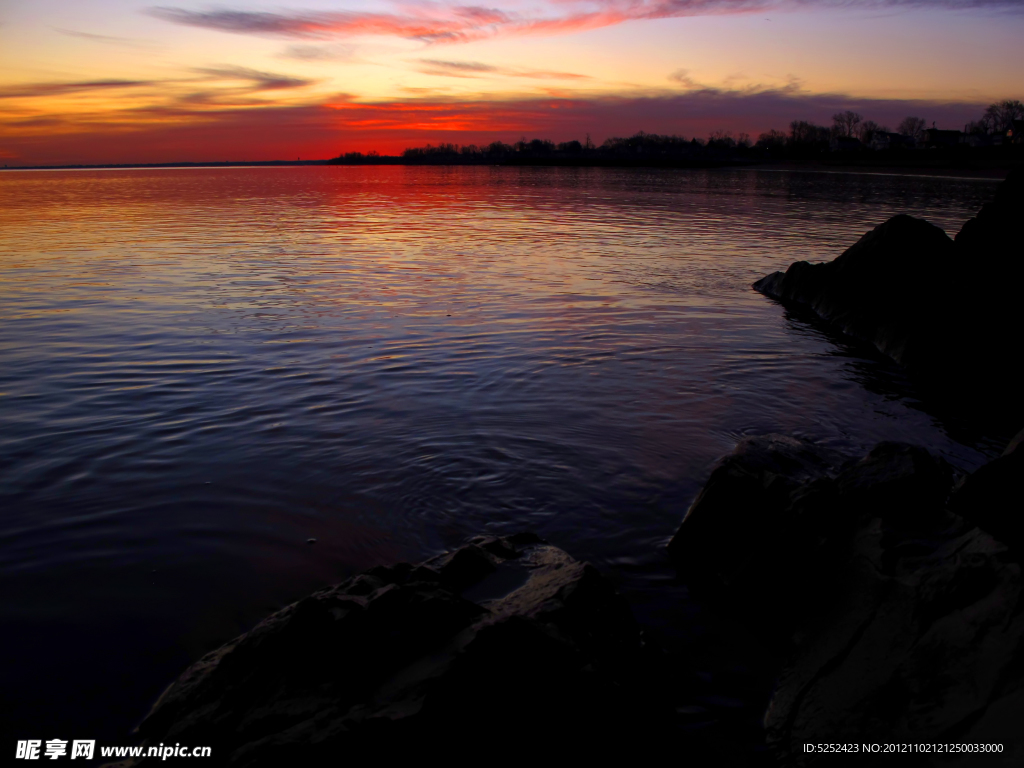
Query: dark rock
x=992 y=499
x=397 y=661
x=945 y=309
x=886 y=289
x=996 y=230
x=743 y=518
x=900 y=483
x=920 y=641
x=905 y=620
x=778 y=509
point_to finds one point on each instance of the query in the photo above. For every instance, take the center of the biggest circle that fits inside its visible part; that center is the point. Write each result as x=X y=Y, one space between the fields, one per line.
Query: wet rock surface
x=904 y=619
x=945 y=309
x=505 y=643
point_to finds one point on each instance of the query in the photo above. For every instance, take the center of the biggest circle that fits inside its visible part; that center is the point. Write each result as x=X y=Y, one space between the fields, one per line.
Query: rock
x=920 y=641
x=905 y=620
x=991 y=497
x=504 y=644
x=778 y=509
x=735 y=539
x=996 y=230
x=886 y=289
x=945 y=309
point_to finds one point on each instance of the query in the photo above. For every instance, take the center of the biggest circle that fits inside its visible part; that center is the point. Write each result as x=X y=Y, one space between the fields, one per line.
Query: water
x=200 y=369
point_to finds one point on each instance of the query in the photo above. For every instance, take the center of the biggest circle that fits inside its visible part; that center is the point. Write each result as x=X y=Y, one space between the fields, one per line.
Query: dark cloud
x=434 y=23
x=246 y=22
x=256 y=80
x=324 y=25
x=32 y=90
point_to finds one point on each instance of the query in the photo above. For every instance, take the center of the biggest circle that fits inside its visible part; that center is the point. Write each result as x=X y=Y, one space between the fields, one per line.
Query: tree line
x=997 y=120
x=803 y=137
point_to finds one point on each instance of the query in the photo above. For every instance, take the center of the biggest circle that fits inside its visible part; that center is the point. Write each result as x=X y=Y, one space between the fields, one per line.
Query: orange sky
x=107 y=81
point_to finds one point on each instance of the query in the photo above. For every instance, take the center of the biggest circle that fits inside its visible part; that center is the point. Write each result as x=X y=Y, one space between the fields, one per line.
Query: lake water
x=200 y=369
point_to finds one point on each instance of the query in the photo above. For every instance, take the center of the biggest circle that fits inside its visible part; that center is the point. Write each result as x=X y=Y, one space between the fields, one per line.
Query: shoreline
x=954 y=167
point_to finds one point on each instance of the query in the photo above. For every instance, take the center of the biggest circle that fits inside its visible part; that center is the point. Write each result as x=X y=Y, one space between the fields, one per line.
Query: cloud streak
x=329 y=52
x=254 y=79
x=36 y=90
x=250 y=80
x=435 y=23
x=457 y=24
x=477 y=69
x=98 y=38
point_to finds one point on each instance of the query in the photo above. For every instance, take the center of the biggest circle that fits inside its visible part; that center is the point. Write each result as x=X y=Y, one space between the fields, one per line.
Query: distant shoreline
x=128 y=166
x=924 y=166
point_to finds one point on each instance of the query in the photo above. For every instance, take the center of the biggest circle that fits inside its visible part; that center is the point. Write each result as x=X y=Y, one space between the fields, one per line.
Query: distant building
x=845 y=144
x=882 y=140
x=935 y=138
x=982 y=139
x=1015 y=135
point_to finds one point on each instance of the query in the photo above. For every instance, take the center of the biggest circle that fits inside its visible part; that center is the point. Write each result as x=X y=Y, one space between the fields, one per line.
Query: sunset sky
x=101 y=81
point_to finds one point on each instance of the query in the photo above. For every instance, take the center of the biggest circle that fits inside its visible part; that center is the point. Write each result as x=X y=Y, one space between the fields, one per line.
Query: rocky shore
x=891 y=587
x=506 y=645
x=889 y=584
x=946 y=309
x=894 y=590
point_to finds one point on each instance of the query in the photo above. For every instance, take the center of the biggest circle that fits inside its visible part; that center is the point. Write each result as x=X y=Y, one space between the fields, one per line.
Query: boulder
x=996 y=230
x=735 y=541
x=904 y=619
x=920 y=641
x=774 y=515
x=887 y=289
x=991 y=497
x=504 y=644
x=945 y=309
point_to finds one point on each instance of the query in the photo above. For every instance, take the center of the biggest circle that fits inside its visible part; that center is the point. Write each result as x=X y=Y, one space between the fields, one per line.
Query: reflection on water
x=204 y=368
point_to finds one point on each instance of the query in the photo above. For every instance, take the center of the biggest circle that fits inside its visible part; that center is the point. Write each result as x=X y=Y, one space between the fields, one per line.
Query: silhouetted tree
x=645 y=142
x=430 y=152
x=869 y=128
x=498 y=148
x=999 y=117
x=721 y=140
x=912 y=127
x=845 y=123
x=805 y=134
x=772 y=139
